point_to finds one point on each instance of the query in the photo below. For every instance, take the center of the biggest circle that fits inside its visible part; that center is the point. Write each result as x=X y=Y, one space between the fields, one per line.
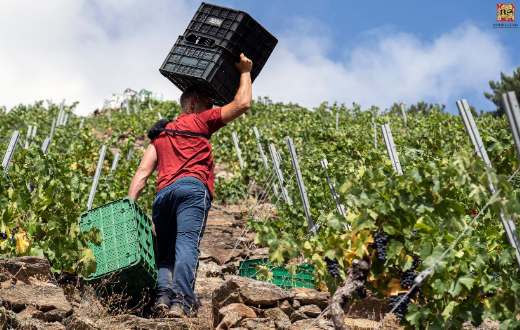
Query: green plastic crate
x=126 y=253
x=303 y=277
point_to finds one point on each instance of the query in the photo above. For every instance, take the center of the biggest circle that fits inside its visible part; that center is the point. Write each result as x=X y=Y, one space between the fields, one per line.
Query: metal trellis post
x=279 y=174
x=28 y=137
x=260 y=148
x=472 y=130
x=513 y=115
x=335 y=197
x=403 y=113
x=390 y=147
x=33 y=134
x=58 y=118
x=10 y=151
x=374 y=128
x=96 y=177
x=301 y=186
x=115 y=162
x=234 y=136
x=130 y=153
x=53 y=128
x=45 y=145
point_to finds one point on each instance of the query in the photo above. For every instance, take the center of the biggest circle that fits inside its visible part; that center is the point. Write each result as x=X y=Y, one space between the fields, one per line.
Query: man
x=181 y=153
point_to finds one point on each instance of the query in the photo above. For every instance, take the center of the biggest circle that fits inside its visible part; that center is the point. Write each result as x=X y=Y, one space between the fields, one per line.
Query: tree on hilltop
x=506 y=84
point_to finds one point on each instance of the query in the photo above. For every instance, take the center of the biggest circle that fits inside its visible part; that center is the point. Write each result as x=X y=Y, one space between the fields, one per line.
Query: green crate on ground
x=302 y=278
x=126 y=253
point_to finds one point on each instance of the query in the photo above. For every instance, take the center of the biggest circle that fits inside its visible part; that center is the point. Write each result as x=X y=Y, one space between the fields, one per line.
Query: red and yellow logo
x=505 y=12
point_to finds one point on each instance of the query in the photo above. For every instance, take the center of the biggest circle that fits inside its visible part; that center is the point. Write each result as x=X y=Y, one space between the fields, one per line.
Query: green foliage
x=423 y=212
x=230 y=190
x=42 y=196
x=419 y=107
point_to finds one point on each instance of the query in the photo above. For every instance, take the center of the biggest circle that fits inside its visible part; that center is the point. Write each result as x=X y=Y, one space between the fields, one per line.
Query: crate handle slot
x=200 y=40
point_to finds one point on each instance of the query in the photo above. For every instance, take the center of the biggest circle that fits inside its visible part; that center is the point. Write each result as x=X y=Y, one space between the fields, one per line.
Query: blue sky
x=351 y=22
x=348 y=20
x=369 y=52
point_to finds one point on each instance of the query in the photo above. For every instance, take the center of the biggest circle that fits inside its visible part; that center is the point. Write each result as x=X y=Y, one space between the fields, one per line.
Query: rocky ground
x=32 y=298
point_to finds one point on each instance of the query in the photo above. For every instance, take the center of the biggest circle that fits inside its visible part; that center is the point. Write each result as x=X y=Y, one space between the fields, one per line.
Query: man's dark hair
x=193 y=91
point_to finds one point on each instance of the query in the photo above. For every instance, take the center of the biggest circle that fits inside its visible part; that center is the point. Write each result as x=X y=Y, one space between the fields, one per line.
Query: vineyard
x=429 y=229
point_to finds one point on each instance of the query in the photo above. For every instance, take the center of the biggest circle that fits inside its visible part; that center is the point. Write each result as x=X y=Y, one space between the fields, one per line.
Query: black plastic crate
x=211 y=68
x=233 y=30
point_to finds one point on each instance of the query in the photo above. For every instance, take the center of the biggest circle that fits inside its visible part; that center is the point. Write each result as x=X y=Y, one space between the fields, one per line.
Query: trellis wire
x=472 y=130
x=10 y=151
x=97 y=174
x=419 y=279
x=390 y=147
x=301 y=185
x=258 y=202
x=252 y=209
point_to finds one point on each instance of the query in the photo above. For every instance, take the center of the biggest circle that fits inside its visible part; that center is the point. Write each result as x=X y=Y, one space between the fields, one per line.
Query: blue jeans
x=179 y=213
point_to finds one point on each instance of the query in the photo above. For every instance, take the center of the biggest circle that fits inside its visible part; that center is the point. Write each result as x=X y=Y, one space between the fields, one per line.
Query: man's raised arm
x=242 y=101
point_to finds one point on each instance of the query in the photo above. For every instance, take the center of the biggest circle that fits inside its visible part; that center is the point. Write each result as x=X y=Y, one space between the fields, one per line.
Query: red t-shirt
x=179 y=156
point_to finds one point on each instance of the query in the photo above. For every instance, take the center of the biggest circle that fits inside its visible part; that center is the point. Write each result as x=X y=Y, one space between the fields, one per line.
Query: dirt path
x=225 y=243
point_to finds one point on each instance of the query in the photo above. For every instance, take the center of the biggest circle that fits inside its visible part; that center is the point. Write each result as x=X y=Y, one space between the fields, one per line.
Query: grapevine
x=400 y=224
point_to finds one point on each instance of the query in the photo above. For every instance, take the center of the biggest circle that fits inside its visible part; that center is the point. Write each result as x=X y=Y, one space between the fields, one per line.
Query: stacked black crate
x=206 y=53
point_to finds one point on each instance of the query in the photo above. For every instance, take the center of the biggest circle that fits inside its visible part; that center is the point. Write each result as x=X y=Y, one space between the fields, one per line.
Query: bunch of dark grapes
x=3 y=236
x=12 y=238
x=380 y=241
x=407 y=279
x=416 y=262
x=402 y=308
x=332 y=267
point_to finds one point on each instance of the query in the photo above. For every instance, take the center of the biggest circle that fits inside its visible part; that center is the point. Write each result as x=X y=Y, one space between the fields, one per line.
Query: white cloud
x=386 y=68
x=86 y=50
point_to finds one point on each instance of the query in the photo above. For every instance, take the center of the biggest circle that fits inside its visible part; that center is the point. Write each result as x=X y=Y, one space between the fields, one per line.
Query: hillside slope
x=437 y=219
